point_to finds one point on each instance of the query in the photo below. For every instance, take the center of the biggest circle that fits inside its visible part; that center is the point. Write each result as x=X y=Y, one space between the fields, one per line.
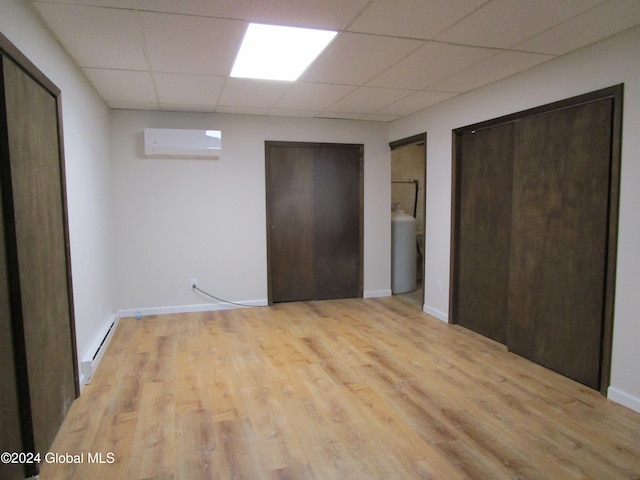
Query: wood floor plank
x=353 y=389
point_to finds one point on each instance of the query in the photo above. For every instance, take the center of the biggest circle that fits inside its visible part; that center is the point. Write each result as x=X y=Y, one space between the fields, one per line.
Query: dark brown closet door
x=558 y=243
x=484 y=168
x=10 y=437
x=337 y=222
x=43 y=311
x=313 y=214
x=291 y=238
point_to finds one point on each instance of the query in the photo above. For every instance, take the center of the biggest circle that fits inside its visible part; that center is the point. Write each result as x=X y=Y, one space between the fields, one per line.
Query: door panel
x=337 y=217
x=485 y=224
x=41 y=253
x=291 y=238
x=558 y=241
x=10 y=437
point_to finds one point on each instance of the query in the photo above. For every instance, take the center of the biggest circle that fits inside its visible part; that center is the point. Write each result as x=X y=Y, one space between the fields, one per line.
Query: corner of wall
x=435 y=313
x=623 y=398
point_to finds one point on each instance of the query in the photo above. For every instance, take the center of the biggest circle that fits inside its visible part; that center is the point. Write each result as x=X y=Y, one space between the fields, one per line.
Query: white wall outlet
x=193 y=283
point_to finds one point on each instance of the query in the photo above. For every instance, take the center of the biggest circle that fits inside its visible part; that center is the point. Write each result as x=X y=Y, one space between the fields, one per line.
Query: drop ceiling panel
x=313 y=96
x=341 y=115
x=503 y=23
x=430 y=63
x=282 y=112
x=585 y=29
x=353 y=59
x=123 y=85
x=325 y=14
x=390 y=57
x=130 y=4
x=188 y=89
x=499 y=66
x=244 y=93
x=412 y=18
x=242 y=110
x=191 y=45
x=85 y=31
x=374 y=117
x=414 y=103
x=368 y=100
x=232 y=9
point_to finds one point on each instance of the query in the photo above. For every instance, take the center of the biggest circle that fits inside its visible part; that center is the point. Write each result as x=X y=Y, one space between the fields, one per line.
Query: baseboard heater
x=90 y=363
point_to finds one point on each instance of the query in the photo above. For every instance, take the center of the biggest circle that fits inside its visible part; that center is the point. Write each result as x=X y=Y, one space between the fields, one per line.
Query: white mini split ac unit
x=169 y=142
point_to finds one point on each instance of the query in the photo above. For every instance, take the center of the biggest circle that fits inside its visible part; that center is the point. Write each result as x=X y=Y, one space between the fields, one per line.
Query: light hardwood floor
x=340 y=389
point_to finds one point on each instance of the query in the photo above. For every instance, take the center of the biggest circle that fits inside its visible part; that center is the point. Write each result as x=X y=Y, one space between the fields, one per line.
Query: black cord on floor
x=194 y=287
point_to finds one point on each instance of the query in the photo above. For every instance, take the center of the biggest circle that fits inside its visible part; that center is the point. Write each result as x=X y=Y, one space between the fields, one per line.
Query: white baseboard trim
x=435 y=313
x=624 y=398
x=201 y=307
x=376 y=293
x=92 y=358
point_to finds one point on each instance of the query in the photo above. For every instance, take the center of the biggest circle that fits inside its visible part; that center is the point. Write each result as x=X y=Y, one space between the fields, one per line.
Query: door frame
x=615 y=93
x=276 y=143
x=420 y=138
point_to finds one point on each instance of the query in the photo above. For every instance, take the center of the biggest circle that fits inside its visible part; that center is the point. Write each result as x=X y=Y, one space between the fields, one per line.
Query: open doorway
x=408 y=199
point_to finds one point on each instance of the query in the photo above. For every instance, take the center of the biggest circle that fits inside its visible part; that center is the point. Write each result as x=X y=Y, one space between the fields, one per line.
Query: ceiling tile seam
x=225 y=79
x=497 y=50
x=567 y=20
x=411 y=92
x=147 y=58
x=287 y=90
x=84 y=5
x=357 y=15
x=500 y=79
x=473 y=12
x=136 y=8
x=109 y=69
x=193 y=15
x=423 y=44
x=484 y=60
x=431 y=90
x=491 y=47
x=328 y=109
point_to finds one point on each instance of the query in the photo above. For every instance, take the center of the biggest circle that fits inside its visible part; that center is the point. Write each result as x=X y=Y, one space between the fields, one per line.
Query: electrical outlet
x=193 y=283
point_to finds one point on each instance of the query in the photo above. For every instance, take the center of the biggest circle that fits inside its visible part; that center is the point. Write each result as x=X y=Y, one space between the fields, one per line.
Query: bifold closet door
x=559 y=225
x=484 y=203
x=34 y=221
x=314 y=208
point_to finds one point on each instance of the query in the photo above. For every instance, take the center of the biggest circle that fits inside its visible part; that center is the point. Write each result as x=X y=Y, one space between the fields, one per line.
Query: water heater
x=403 y=253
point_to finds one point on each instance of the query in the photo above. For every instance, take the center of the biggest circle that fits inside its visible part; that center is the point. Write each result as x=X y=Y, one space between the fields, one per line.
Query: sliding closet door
x=559 y=238
x=337 y=222
x=10 y=436
x=314 y=210
x=535 y=232
x=39 y=282
x=485 y=176
x=291 y=236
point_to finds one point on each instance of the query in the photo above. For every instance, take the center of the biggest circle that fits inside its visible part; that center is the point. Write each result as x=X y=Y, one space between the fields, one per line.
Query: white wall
x=178 y=219
x=86 y=146
x=610 y=62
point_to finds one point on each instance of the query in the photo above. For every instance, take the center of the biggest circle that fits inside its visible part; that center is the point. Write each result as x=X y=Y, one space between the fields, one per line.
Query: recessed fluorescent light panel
x=270 y=52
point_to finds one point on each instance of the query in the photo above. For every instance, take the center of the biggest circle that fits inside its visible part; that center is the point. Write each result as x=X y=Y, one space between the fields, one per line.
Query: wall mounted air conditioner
x=170 y=142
